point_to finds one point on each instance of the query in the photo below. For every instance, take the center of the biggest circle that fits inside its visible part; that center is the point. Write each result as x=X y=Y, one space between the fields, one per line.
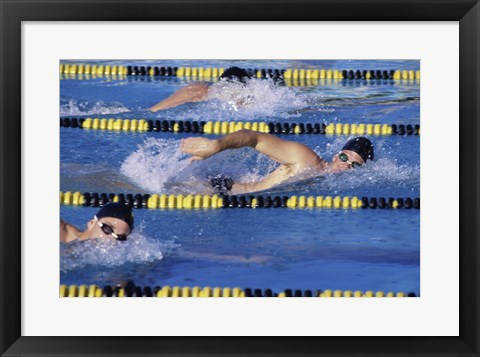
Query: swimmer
x=113 y=221
x=198 y=92
x=295 y=158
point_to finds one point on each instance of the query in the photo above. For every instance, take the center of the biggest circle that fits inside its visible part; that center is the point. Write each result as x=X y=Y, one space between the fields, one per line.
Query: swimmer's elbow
x=164 y=104
x=243 y=188
x=251 y=137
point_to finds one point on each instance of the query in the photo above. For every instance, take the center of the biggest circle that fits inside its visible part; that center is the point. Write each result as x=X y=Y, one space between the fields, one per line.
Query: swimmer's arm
x=279 y=175
x=283 y=151
x=68 y=232
x=194 y=92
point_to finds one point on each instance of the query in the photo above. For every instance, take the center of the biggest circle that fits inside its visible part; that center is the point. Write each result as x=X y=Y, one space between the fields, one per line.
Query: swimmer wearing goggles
x=112 y=221
x=296 y=159
x=344 y=158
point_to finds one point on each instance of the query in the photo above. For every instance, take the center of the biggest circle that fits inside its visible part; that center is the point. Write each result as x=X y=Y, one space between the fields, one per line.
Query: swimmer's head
x=117 y=210
x=114 y=220
x=362 y=146
x=354 y=153
x=235 y=74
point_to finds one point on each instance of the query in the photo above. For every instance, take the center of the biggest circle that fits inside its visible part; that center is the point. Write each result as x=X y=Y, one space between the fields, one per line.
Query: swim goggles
x=109 y=231
x=344 y=158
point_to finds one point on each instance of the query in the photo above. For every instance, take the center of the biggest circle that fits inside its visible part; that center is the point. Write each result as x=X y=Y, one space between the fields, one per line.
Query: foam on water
x=71 y=107
x=111 y=253
x=257 y=97
x=154 y=162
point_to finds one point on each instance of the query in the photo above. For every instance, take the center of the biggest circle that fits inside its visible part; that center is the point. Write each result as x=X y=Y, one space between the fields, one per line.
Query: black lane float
x=215 y=72
x=163 y=201
x=226 y=127
x=186 y=291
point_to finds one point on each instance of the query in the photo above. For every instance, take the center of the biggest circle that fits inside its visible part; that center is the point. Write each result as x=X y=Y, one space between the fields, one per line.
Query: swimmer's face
x=119 y=228
x=352 y=157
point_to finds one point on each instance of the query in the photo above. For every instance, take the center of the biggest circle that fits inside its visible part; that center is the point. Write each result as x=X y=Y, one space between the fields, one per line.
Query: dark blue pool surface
x=261 y=248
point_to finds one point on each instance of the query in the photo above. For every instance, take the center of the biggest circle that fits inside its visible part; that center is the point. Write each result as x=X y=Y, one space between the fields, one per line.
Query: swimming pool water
x=262 y=248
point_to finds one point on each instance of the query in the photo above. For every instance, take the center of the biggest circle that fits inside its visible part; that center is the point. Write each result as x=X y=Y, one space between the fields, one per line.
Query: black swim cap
x=235 y=73
x=117 y=210
x=362 y=146
x=221 y=184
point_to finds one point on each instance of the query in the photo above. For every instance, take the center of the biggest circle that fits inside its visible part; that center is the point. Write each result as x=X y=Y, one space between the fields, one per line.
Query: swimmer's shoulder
x=68 y=232
x=311 y=162
x=199 y=85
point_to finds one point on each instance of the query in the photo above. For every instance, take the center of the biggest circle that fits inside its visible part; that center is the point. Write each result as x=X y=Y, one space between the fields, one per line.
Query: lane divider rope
x=163 y=201
x=226 y=127
x=289 y=82
x=196 y=291
x=315 y=82
x=72 y=68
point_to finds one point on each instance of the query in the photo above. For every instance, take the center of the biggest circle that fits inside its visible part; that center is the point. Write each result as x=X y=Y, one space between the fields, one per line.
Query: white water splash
x=154 y=163
x=73 y=107
x=111 y=253
x=256 y=97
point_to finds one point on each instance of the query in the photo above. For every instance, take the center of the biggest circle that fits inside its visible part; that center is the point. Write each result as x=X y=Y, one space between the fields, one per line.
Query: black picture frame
x=13 y=12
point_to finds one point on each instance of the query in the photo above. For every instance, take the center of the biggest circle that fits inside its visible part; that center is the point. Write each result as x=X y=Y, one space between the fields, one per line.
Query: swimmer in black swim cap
x=197 y=92
x=354 y=153
x=233 y=74
x=113 y=221
x=296 y=160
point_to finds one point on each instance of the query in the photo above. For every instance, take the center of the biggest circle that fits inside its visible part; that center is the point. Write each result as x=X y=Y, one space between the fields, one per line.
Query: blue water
x=263 y=248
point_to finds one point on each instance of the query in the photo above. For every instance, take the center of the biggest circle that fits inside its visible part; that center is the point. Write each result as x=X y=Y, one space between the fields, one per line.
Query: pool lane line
x=225 y=127
x=289 y=82
x=215 y=72
x=163 y=201
x=196 y=291
x=321 y=82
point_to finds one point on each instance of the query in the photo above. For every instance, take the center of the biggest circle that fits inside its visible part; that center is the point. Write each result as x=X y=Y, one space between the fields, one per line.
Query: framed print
x=200 y=118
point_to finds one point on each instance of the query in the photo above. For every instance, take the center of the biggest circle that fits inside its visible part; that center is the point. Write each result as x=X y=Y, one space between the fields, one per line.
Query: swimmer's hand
x=199 y=148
